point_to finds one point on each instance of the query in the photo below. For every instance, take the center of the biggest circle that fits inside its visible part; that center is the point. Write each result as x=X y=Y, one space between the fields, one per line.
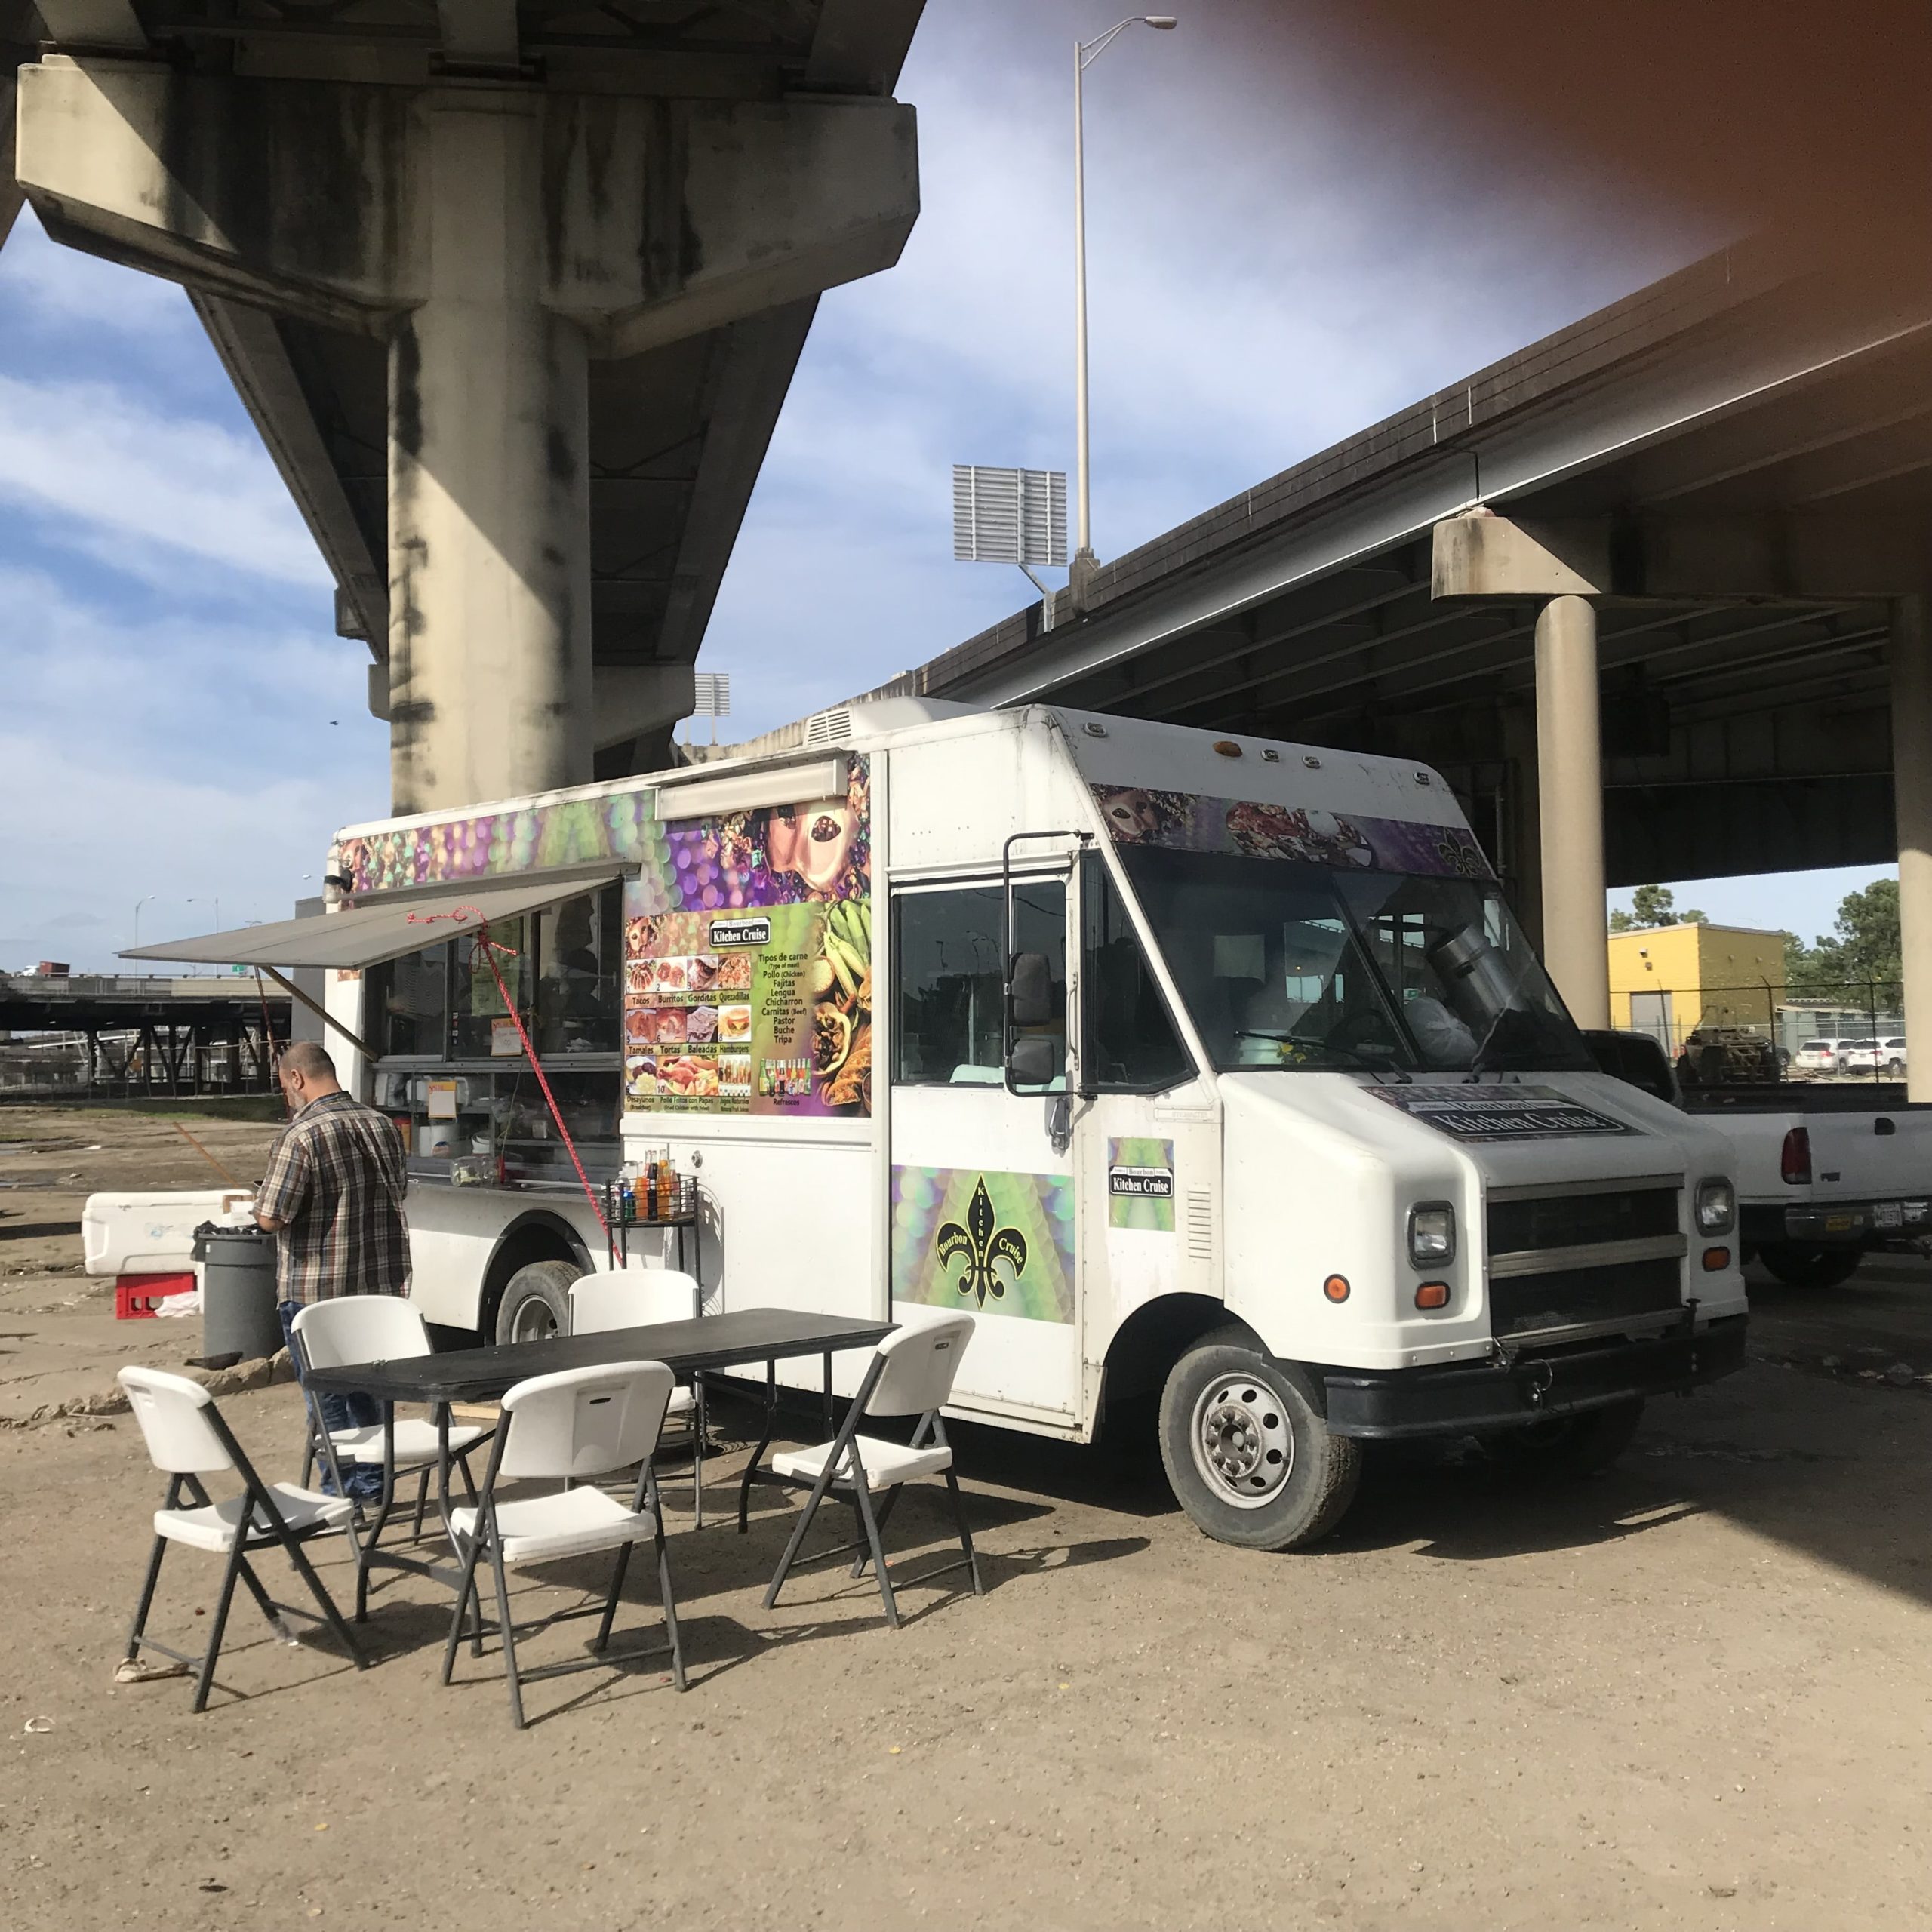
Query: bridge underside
x=1703 y=514
x=1750 y=481
x=514 y=290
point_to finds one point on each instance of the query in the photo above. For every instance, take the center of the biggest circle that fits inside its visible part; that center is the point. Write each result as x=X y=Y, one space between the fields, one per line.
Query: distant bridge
x=149 y=1036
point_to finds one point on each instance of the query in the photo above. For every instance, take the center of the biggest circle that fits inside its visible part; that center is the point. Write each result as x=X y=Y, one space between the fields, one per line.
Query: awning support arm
x=315 y=1007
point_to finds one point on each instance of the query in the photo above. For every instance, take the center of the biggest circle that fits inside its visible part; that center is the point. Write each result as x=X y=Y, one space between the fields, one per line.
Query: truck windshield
x=1292 y=966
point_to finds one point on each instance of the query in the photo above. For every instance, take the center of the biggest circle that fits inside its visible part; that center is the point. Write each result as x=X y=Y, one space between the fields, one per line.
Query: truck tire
x=536 y=1303
x=1579 y=1445
x=1798 y=1266
x=1247 y=1452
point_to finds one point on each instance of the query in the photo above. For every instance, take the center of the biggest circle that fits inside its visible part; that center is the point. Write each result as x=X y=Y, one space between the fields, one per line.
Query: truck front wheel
x=1246 y=1451
x=536 y=1302
x=1798 y=1266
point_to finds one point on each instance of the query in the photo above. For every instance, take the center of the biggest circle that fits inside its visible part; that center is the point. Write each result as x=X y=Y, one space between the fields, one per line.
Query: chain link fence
x=1845 y=1030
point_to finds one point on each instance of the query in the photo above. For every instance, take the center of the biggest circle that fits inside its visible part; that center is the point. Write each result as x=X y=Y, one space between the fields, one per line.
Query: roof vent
x=826 y=728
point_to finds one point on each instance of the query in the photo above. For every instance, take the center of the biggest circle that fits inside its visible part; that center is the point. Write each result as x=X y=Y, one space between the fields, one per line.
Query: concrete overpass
x=513 y=289
x=1694 y=530
x=157 y=1035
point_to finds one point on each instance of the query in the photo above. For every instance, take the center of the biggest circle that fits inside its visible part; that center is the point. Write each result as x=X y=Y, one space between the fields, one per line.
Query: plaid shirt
x=335 y=1182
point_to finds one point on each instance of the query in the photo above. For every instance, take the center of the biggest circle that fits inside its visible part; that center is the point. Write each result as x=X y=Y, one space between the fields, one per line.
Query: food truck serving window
x=452 y=1075
x=562 y=971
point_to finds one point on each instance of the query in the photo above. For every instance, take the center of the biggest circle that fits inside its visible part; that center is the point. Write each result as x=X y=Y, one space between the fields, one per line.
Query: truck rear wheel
x=1798 y=1266
x=536 y=1302
x=1247 y=1453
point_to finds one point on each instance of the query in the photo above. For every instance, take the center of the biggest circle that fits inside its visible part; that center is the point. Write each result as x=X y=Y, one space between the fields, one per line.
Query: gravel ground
x=1691 y=1693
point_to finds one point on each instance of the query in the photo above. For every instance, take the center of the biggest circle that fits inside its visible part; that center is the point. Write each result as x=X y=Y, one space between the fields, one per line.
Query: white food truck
x=1207 y=1069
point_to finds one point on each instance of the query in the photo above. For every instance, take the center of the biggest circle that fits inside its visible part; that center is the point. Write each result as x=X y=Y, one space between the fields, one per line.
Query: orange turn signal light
x=1336 y=1288
x=1716 y=1260
x=1432 y=1295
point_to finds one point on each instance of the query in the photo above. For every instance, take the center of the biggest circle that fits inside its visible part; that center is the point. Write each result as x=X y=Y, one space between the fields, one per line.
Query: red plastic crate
x=135 y=1295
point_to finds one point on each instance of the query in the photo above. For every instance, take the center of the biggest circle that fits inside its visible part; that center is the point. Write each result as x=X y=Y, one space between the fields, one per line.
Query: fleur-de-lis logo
x=976 y=1246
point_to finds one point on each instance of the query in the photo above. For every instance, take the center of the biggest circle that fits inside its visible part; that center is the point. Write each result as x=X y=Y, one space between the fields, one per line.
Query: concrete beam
x=1798 y=555
x=1481 y=555
x=11 y=200
x=250 y=345
x=1911 y=783
x=478 y=33
x=92 y=23
x=663 y=239
x=630 y=700
x=661 y=219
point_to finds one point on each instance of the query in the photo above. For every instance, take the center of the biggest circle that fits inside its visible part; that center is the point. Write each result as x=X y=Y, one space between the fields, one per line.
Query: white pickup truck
x=1824 y=1174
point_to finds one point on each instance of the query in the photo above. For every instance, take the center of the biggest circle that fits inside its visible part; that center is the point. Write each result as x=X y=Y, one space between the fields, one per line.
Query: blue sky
x=1279 y=256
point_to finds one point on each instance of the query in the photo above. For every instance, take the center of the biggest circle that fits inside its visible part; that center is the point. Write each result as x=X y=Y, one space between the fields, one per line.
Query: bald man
x=333 y=1199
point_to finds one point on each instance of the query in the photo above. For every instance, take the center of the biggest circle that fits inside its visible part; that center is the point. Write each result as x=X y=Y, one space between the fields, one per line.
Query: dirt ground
x=1692 y=1694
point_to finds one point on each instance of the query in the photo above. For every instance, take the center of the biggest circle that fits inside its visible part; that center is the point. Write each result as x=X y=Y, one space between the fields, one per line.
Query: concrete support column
x=488 y=484
x=1912 y=791
x=1570 y=798
x=1522 y=819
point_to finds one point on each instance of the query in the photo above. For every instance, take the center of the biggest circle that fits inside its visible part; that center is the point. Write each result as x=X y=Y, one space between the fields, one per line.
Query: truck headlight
x=1717 y=1206
x=1432 y=1234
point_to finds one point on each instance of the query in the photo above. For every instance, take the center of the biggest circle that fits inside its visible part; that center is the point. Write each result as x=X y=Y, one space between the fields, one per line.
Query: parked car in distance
x=1894 y=1059
x=1817 y=1056
x=1864 y=1056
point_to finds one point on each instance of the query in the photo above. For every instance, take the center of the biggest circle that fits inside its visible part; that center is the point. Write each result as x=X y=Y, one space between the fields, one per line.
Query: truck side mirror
x=1030 y=990
x=1033 y=1060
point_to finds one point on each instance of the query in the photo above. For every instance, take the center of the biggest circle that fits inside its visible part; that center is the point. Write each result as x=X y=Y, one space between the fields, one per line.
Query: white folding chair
x=359 y=1328
x=600 y=1302
x=574 y=1426
x=911 y=1375
x=187 y=1439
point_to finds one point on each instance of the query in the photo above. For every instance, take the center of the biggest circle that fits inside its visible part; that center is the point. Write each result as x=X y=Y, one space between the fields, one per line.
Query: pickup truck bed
x=1823 y=1172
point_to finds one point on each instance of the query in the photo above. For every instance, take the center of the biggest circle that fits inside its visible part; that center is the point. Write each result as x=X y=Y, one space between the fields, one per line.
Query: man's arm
x=285 y=1186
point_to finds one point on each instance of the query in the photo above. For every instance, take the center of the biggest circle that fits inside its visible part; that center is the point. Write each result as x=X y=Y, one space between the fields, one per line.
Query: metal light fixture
x=1085 y=53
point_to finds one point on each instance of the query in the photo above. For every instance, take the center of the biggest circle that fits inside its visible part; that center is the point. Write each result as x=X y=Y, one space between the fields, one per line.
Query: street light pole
x=1085 y=54
x=144 y=898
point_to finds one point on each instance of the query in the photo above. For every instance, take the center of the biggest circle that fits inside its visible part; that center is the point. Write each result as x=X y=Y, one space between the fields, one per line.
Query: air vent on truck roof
x=826 y=728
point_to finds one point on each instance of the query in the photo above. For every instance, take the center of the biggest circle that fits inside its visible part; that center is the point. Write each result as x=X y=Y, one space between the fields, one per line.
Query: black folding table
x=712 y=1341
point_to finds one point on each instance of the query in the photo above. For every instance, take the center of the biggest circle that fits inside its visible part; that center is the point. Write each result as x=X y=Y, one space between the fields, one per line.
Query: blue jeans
x=354 y=1410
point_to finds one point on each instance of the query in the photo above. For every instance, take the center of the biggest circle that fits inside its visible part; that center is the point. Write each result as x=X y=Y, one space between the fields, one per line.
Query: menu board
x=753 y=995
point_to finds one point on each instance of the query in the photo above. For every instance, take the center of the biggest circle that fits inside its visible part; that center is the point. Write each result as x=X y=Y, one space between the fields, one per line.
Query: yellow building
x=1667 y=980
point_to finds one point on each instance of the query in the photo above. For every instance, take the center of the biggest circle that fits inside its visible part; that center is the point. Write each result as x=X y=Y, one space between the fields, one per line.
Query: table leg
x=764 y=1443
x=828 y=1395
x=366 y=1555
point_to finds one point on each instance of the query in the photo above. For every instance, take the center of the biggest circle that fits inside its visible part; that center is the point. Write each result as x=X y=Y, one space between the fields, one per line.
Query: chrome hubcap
x=1243 y=1444
x=533 y=1322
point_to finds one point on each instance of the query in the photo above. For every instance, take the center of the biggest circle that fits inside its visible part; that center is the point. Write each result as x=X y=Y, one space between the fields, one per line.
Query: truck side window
x=949 y=1001
x=1132 y=1046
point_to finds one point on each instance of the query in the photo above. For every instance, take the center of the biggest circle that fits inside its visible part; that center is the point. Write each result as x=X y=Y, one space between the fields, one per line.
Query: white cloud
x=173 y=755
x=1277 y=262
x=63 y=285
x=100 y=456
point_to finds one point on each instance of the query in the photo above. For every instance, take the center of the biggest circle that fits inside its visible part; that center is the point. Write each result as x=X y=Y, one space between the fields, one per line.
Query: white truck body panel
x=1246 y=1188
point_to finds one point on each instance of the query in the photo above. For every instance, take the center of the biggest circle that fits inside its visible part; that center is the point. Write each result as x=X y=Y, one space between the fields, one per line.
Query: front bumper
x=1463 y=1399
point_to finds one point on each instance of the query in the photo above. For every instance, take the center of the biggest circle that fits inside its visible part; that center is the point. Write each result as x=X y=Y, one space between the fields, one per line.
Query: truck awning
x=368 y=935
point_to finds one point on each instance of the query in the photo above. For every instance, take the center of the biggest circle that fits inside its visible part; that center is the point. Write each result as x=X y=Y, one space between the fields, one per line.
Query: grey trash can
x=238 y=1292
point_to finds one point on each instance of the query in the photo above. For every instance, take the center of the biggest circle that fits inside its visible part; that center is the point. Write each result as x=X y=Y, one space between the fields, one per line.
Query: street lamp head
x=1166 y=22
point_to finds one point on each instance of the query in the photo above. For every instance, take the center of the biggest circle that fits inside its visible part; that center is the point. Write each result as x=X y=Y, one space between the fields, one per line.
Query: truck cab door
x=984 y=1209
